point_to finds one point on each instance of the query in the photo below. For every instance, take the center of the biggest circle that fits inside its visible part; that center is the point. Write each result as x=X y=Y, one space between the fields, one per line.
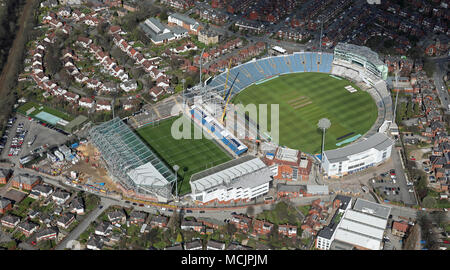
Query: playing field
x=191 y=155
x=305 y=98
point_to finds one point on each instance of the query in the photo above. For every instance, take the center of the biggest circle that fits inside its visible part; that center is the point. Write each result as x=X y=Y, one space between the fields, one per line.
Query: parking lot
x=390 y=188
x=31 y=131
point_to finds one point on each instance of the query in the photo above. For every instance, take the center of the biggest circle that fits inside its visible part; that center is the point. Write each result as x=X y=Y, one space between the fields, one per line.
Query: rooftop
x=245 y=172
x=372 y=208
x=377 y=141
x=362 y=51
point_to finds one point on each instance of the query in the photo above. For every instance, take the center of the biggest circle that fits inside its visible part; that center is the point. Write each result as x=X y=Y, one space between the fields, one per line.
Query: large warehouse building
x=243 y=179
x=130 y=161
x=357 y=156
x=361 y=227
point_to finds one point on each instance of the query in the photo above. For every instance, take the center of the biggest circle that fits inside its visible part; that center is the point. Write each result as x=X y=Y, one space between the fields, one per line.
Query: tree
x=439 y=217
x=250 y=211
x=428 y=202
x=230 y=229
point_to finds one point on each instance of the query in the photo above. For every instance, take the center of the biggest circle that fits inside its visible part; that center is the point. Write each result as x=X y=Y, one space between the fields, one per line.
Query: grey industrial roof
x=184 y=18
x=314 y=189
x=339 y=245
x=372 y=208
x=378 y=141
x=290 y=188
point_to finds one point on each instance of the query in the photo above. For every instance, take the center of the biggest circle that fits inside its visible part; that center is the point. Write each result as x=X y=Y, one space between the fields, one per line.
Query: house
x=10 y=221
x=86 y=102
x=211 y=223
x=47 y=234
x=129 y=85
x=215 y=245
x=64 y=11
x=287 y=230
x=156 y=92
x=77 y=206
x=104 y=228
x=28 y=227
x=103 y=105
x=241 y=222
x=71 y=97
x=95 y=243
x=184 y=21
x=115 y=29
x=400 y=228
x=116 y=217
x=175 y=247
x=65 y=220
x=137 y=217
x=208 y=37
x=25 y=181
x=262 y=227
x=43 y=190
x=235 y=246
x=194 y=245
x=4 y=176
x=192 y=225
x=84 y=41
x=159 y=221
x=60 y=197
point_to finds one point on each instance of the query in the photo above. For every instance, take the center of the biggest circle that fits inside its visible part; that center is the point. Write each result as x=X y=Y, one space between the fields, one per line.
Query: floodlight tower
x=201 y=61
x=323 y=124
x=183 y=95
x=176 y=168
x=396 y=96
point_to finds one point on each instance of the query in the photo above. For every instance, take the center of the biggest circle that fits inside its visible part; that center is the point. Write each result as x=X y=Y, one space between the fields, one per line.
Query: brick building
x=25 y=181
x=289 y=164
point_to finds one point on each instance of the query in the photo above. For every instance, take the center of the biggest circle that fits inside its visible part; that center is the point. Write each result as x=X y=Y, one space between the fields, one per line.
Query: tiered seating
x=297 y=65
x=258 y=70
x=313 y=61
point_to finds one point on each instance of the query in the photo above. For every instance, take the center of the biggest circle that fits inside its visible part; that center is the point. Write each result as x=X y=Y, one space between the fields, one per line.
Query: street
x=85 y=223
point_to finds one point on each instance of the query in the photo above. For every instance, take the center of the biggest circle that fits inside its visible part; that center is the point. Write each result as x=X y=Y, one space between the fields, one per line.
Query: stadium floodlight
x=176 y=168
x=183 y=95
x=323 y=124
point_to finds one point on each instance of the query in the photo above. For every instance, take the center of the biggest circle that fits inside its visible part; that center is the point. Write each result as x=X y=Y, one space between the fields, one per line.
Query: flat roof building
x=240 y=179
x=357 y=156
x=361 y=227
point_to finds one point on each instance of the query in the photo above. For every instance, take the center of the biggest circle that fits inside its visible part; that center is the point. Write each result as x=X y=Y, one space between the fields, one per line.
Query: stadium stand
x=130 y=161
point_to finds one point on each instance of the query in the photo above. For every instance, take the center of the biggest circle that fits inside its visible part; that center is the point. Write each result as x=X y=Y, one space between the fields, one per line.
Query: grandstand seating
x=257 y=70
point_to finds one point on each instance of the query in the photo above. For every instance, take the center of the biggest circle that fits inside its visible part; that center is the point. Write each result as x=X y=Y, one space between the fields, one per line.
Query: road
x=439 y=73
x=92 y=216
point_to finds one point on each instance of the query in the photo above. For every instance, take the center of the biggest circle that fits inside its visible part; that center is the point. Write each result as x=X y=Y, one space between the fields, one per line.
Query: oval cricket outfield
x=305 y=98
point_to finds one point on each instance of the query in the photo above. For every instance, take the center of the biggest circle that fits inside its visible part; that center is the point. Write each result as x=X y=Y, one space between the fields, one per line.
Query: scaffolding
x=124 y=152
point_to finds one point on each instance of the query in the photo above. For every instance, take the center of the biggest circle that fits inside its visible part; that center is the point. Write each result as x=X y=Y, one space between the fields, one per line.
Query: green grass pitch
x=305 y=98
x=191 y=155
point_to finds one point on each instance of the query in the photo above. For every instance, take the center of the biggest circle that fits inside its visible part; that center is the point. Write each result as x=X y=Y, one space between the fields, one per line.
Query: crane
x=228 y=73
x=228 y=99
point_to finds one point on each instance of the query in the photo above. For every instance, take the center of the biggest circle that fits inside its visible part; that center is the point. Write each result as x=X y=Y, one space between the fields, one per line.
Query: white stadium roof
x=225 y=173
x=147 y=175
